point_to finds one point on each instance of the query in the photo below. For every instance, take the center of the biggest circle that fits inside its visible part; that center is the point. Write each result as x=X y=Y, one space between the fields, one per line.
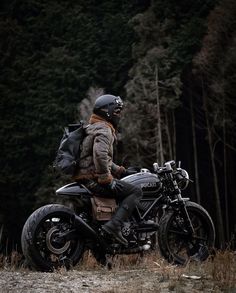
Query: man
x=96 y=167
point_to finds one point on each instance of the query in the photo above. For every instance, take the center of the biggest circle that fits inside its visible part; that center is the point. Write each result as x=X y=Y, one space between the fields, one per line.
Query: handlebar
x=167 y=168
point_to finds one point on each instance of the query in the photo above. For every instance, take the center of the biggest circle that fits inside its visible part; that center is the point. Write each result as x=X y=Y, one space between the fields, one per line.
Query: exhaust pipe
x=88 y=231
x=84 y=228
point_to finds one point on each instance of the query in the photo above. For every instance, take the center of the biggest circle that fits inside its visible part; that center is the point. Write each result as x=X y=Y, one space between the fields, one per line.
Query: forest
x=172 y=62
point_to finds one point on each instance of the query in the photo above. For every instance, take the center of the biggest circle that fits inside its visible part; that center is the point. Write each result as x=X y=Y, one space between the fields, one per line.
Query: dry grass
x=219 y=270
x=14 y=261
x=222 y=268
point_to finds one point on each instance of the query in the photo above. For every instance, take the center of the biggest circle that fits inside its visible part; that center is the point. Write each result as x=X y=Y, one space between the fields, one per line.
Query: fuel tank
x=149 y=182
x=73 y=189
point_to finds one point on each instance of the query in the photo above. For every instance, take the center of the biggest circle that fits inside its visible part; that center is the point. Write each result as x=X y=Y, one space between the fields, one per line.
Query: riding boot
x=113 y=227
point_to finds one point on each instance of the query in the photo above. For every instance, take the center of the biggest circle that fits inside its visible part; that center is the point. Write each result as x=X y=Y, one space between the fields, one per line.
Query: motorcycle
x=55 y=235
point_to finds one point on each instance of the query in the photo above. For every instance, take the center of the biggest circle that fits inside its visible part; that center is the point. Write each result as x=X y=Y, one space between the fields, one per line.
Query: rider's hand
x=111 y=185
x=129 y=171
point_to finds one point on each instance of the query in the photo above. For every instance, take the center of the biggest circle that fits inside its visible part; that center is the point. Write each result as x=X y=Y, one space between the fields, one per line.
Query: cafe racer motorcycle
x=56 y=235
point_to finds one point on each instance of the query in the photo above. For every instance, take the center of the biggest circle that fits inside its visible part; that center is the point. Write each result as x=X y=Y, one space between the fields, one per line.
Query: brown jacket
x=97 y=152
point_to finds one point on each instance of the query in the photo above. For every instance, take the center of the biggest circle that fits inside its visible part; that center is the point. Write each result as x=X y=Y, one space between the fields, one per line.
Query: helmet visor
x=119 y=102
x=117 y=111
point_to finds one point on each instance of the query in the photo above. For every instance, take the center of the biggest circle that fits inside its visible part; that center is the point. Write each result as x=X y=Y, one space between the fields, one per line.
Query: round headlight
x=182 y=179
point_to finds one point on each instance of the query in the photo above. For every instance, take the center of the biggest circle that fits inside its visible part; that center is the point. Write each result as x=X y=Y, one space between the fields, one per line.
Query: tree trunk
x=169 y=140
x=215 y=179
x=174 y=134
x=225 y=175
x=160 y=156
x=195 y=150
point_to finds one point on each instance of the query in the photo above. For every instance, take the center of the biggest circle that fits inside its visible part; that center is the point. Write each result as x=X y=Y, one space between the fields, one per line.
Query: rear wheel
x=177 y=244
x=42 y=245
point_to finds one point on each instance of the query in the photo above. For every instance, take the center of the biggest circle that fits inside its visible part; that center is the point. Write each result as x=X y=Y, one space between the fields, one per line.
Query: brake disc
x=53 y=245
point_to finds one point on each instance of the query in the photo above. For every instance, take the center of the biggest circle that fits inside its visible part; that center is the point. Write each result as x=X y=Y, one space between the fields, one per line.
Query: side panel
x=73 y=189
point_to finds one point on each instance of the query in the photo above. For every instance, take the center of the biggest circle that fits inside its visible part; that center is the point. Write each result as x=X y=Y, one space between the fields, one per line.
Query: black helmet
x=108 y=107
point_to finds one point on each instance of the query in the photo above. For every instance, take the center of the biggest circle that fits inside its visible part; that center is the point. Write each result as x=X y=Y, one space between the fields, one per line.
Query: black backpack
x=68 y=153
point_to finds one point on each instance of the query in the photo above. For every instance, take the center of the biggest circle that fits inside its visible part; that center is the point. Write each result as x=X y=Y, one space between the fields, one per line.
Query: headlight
x=182 y=178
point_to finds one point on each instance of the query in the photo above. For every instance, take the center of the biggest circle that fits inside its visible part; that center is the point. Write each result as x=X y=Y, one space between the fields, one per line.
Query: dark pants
x=125 y=193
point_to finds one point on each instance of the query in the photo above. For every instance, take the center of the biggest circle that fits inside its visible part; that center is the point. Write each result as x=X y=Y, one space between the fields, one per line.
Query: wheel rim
x=54 y=250
x=184 y=245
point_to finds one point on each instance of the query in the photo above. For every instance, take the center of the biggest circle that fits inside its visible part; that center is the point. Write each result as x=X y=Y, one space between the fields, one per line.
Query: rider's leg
x=126 y=194
x=129 y=195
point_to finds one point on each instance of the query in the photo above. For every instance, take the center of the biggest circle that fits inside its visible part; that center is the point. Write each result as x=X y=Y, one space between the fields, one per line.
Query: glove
x=112 y=184
x=129 y=171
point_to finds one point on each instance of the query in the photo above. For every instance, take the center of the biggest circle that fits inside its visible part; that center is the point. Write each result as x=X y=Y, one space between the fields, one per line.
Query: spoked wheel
x=177 y=244
x=43 y=245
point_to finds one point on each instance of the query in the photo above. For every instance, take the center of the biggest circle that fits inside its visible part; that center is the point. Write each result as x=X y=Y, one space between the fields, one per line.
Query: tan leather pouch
x=103 y=208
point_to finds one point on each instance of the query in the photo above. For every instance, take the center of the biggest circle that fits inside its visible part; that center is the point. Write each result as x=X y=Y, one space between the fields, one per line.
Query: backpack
x=68 y=153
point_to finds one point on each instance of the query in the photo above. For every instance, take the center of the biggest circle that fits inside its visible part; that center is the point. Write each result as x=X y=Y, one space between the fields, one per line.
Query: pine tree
x=215 y=65
x=52 y=52
x=168 y=36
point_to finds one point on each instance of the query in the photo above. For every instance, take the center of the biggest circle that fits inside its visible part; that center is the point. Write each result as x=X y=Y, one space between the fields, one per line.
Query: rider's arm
x=102 y=155
x=117 y=171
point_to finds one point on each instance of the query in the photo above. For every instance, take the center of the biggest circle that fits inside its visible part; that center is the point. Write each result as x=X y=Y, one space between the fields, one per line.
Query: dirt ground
x=102 y=280
x=129 y=274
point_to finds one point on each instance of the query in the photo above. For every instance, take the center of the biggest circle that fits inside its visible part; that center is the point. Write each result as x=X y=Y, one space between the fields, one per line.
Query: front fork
x=181 y=202
x=187 y=218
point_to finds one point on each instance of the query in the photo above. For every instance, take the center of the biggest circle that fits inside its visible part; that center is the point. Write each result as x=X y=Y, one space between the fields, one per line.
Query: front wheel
x=177 y=244
x=42 y=245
